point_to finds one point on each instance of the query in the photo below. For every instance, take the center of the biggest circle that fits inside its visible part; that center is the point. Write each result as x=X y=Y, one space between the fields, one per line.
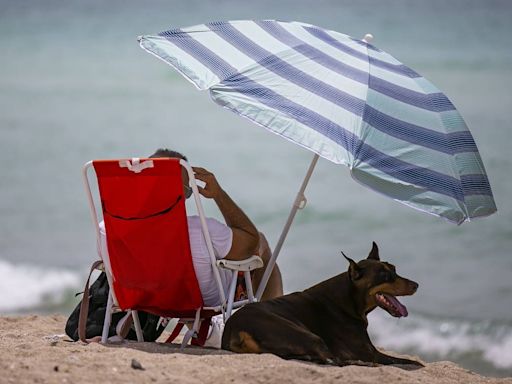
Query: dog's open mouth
x=391 y=304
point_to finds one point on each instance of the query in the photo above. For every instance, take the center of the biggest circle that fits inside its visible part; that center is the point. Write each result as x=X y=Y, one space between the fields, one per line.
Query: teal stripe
x=480 y=206
x=469 y=163
x=453 y=122
x=426 y=85
x=410 y=195
x=416 y=155
x=442 y=122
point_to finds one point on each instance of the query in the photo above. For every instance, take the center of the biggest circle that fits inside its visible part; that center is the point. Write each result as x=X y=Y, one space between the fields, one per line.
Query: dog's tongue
x=394 y=307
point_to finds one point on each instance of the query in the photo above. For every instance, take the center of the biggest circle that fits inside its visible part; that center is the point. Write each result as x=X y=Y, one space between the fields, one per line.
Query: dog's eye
x=385 y=276
x=391 y=267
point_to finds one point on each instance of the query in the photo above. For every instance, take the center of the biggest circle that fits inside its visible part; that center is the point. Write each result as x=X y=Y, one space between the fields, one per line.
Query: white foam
x=500 y=353
x=24 y=286
x=444 y=338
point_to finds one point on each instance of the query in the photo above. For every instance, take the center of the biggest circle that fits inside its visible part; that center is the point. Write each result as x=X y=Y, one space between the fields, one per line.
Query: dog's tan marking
x=244 y=344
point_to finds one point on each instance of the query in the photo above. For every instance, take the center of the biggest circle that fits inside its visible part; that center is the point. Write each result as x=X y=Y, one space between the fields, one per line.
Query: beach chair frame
x=137 y=165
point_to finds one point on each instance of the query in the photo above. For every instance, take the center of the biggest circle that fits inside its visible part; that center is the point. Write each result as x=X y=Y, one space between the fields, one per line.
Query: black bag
x=98 y=296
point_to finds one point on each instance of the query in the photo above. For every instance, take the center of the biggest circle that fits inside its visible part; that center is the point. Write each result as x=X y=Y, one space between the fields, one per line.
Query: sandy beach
x=34 y=350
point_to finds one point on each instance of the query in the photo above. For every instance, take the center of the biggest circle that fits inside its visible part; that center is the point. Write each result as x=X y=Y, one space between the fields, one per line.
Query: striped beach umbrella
x=345 y=100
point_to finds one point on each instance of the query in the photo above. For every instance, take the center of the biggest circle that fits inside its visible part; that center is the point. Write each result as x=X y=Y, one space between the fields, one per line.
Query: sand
x=34 y=350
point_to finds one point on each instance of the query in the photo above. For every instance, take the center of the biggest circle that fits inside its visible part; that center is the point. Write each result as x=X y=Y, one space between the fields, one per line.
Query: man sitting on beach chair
x=237 y=239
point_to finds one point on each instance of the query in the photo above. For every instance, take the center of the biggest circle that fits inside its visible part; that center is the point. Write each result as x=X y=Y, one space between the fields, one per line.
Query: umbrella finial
x=368 y=38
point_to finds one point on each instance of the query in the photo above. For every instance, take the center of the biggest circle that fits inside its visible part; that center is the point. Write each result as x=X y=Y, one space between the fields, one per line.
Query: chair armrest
x=253 y=262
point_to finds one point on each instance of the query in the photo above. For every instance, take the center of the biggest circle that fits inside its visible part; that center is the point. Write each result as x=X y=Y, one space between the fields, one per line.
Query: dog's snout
x=414 y=286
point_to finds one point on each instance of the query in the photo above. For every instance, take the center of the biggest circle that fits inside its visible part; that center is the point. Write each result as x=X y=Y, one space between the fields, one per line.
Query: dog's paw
x=359 y=363
x=412 y=366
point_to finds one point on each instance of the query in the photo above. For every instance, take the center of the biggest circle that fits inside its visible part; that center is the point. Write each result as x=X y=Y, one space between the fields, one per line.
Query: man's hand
x=245 y=234
x=212 y=189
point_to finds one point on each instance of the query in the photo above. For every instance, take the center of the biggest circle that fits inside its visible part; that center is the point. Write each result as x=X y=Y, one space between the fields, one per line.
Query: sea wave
x=25 y=286
x=443 y=338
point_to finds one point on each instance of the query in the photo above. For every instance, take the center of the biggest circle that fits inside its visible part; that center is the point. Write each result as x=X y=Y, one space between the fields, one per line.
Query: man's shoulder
x=220 y=234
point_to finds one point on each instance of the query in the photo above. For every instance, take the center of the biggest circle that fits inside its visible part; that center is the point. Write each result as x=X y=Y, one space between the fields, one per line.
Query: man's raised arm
x=245 y=234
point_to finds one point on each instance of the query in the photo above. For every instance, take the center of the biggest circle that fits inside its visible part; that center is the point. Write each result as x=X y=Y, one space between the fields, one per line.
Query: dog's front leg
x=381 y=358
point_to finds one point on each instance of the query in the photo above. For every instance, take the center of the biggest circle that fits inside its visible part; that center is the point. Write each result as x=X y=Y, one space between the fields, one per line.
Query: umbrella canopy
x=345 y=100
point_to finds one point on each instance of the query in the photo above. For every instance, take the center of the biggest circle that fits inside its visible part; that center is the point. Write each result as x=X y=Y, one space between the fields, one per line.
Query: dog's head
x=379 y=284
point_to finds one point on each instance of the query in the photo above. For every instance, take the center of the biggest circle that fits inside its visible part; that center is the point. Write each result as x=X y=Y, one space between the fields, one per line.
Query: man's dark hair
x=164 y=152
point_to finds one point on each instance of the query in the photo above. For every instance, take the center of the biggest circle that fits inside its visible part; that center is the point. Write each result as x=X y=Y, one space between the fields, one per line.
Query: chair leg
x=192 y=331
x=231 y=296
x=248 y=286
x=186 y=338
x=108 y=318
x=138 y=329
x=202 y=335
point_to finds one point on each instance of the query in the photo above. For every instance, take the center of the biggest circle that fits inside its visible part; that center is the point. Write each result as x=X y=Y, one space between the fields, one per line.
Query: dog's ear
x=353 y=270
x=374 y=253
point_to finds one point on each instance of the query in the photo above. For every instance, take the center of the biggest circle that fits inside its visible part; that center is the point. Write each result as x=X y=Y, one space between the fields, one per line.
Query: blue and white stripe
x=342 y=98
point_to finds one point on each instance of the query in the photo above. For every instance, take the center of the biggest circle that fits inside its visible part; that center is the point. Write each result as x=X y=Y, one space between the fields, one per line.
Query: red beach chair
x=149 y=264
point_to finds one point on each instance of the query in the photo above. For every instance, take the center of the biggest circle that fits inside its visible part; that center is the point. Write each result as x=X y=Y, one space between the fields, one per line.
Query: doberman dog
x=326 y=323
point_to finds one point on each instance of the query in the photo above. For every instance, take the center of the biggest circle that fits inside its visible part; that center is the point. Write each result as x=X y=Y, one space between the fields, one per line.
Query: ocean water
x=74 y=86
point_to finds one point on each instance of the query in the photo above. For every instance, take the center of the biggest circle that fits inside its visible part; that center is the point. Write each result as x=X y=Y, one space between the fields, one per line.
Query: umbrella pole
x=299 y=203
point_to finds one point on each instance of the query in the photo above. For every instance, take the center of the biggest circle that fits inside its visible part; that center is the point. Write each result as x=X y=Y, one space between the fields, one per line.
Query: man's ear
x=374 y=253
x=354 y=271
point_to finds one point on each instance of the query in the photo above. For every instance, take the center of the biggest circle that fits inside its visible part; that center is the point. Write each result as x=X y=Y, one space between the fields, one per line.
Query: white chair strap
x=135 y=165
